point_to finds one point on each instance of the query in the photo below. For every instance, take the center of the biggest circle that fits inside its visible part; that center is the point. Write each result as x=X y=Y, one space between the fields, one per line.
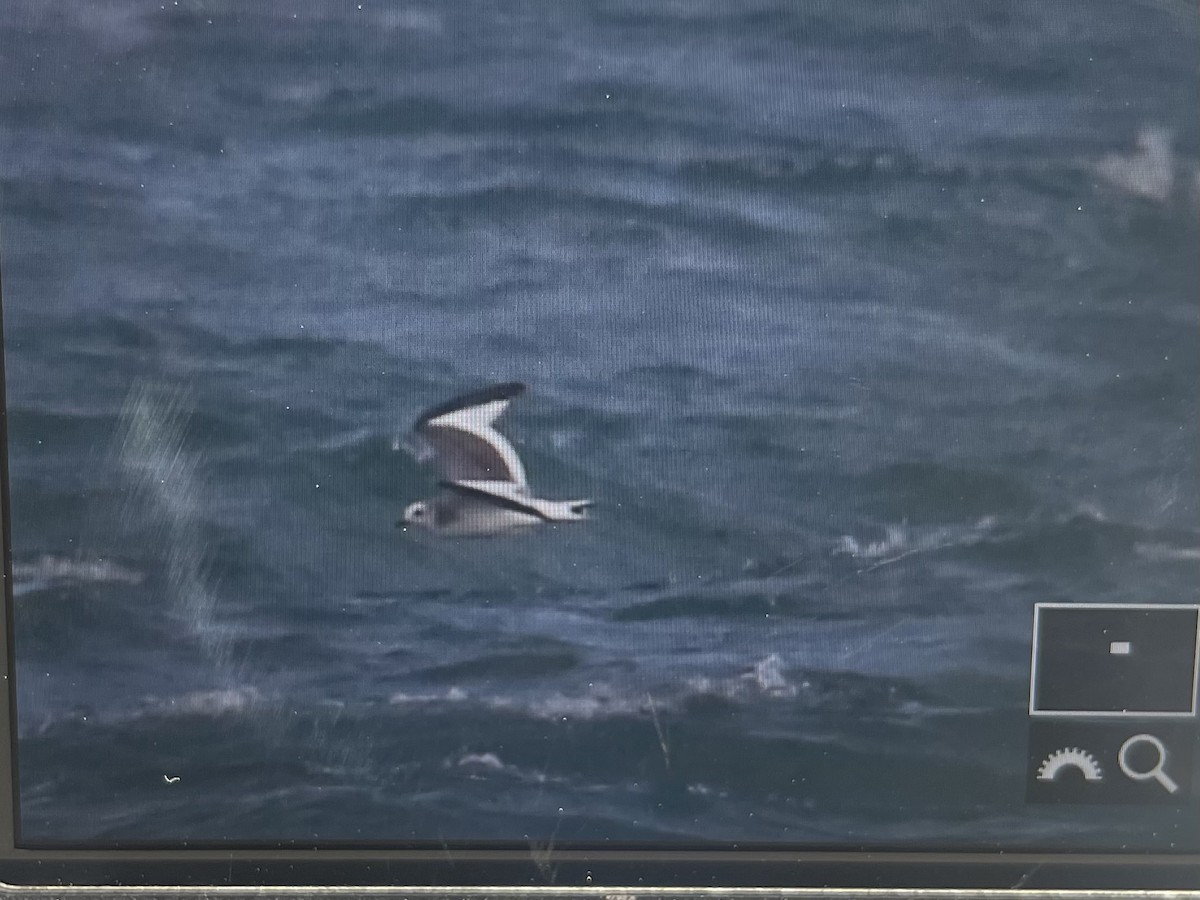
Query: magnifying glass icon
x=1155 y=771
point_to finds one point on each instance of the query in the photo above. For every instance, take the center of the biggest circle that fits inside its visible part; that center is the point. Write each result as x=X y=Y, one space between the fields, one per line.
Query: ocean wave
x=206 y=703
x=902 y=540
x=531 y=664
x=356 y=438
x=724 y=601
x=771 y=679
x=488 y=764
x=1035 y=541
x=812 y=169
x=1153 y=171
x=212 y=703
x=768 y=680
x=926 y=492
x=638 y=211
x=1167 y=553
x=53 y=431
x=765 y=678
x=341 y=113
x=450 y=695
x=1066 y=542
x=47 y=572
x=597 y=702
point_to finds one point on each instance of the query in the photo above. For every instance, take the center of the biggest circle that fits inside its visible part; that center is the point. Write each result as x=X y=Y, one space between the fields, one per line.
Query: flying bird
x=483 y=489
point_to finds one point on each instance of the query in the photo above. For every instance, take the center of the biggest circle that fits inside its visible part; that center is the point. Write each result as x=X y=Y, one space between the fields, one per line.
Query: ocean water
x=866 y=326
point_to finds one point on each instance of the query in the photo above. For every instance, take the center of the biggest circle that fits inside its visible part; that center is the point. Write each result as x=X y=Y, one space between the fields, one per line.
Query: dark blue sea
x=866 y=325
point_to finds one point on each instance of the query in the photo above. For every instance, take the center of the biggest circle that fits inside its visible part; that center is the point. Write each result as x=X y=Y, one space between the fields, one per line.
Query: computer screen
x=610 y=424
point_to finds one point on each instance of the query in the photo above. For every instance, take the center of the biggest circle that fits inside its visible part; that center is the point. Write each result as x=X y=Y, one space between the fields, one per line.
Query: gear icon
x=1072 y=757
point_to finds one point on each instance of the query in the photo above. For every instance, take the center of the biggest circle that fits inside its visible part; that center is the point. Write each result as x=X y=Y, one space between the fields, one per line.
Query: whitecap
x=217 y=702
x=901 y=540
x=1149 y=172
x=1167 y=553
x=768 y=676
x=453 y=695
x=479 y=761
x=896 y=539
x=51 y=571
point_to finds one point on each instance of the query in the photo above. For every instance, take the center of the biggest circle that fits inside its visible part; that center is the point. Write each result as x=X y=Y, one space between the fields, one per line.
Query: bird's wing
x=464 y=441
x=502 y=494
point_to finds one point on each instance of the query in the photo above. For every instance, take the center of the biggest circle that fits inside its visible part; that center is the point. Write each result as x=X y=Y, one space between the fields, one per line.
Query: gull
x=483 y=486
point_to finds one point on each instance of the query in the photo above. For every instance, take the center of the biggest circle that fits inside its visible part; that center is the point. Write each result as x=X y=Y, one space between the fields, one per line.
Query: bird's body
x=483 y=484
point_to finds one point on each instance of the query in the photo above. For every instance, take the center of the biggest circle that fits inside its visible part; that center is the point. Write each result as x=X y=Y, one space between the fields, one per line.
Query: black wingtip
x=505 y=391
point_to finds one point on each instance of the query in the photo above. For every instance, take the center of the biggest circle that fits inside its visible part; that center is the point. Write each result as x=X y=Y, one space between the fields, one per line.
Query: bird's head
x=416 y=514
